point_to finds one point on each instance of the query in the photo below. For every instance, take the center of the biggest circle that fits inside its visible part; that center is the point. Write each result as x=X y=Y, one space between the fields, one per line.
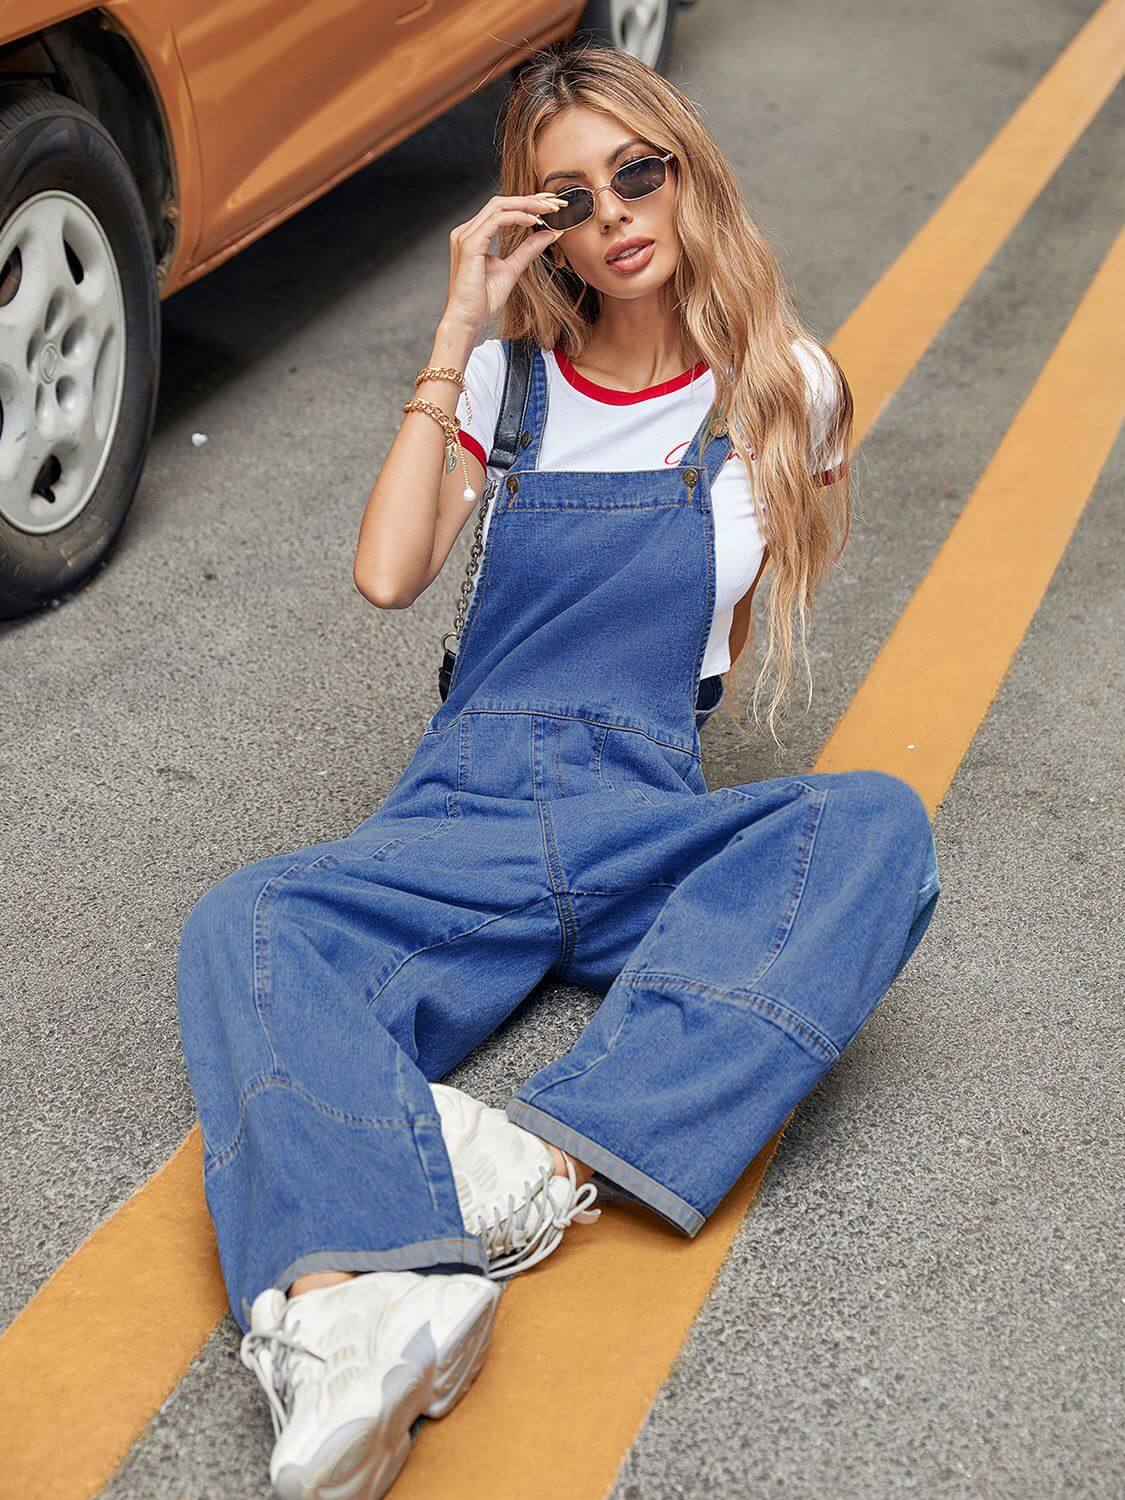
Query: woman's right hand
x=479 y=283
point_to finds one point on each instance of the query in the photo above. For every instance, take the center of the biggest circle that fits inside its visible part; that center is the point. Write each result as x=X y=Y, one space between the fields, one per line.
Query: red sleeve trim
x=468 y=441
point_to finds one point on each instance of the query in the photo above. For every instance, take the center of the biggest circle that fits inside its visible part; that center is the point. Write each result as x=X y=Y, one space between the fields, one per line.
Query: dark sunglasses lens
x=579 y=207
x=636 y=178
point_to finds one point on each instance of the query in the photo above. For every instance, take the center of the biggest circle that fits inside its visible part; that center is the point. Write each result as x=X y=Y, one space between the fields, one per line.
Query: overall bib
x=553 y=820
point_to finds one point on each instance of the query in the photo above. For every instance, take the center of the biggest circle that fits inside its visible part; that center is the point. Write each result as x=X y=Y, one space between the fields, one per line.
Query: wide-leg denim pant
x=742 y=936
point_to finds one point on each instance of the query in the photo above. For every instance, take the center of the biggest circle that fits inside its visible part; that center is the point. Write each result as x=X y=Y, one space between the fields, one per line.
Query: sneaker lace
x=513 y=1246
x=276 y=1368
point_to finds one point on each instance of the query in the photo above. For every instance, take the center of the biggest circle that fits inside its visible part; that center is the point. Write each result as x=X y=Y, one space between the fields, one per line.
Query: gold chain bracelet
x=450 y=426
x=445 y=372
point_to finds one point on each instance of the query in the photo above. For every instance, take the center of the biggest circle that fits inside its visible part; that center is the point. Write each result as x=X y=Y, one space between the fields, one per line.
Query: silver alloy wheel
x=638 y=27
x=62 y=360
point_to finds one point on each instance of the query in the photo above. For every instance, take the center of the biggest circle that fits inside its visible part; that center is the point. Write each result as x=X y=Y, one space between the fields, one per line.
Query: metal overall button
x=691 y=479
x=513 y=484
x=525 y=439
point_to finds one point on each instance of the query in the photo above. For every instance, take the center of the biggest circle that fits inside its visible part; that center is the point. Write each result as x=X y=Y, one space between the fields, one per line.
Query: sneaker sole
x=363 y=1458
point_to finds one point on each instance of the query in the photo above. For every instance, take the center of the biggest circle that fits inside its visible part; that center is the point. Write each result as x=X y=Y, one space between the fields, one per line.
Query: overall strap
x=535 y=412
x=513 y=403
x=710 y=446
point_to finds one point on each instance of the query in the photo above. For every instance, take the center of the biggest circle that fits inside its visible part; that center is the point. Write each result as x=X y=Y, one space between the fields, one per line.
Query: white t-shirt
x=594 y=427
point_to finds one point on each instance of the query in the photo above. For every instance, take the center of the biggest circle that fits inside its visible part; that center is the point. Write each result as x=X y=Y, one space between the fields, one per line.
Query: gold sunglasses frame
x=665 y=156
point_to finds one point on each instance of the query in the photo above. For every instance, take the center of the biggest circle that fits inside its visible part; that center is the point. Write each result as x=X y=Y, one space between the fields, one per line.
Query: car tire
x=642 y=28
x=79 y=369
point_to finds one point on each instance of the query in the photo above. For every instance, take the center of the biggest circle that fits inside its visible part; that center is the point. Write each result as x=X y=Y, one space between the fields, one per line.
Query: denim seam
x=636 y=790
x=546 y=507
x=601 y=1057
x=595 y=764
x=568 y=921
x=804 y=856
x=817 y=799
x=260 y=930
x=774 y=1011
x=400 y=1063
x=626 y=890
x=669 y=476
x=260 y=941
x=214 y=1160
x=402 y=840
x=807 y=786
x=534 y=762
x=697 y=768
x=453 y=937
x=421 y=1155
x=464 y=753
x=753 y=797
x=550 y=713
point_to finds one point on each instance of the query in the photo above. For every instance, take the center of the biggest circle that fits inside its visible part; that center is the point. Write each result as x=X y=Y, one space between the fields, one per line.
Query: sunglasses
x=636 y=179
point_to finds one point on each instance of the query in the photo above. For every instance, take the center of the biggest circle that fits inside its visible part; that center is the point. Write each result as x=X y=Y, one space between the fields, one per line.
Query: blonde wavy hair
x=737 y=313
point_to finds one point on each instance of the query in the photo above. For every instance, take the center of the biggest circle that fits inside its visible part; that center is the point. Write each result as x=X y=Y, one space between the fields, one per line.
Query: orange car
x=143 y=143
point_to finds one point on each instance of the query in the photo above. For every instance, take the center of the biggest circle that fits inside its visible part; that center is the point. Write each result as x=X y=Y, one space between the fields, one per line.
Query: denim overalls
x=553 y=820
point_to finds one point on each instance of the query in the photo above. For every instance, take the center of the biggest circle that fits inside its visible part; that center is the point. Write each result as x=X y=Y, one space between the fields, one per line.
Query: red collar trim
x=612 y=397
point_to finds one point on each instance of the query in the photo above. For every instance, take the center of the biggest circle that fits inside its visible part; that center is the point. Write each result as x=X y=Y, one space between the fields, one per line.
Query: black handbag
x=509 y=438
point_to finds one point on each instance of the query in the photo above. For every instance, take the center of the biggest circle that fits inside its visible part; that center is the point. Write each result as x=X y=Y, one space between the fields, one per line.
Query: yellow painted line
x=887 y=334
x=931 y=685
x=95 y=1351
x=579 y=1352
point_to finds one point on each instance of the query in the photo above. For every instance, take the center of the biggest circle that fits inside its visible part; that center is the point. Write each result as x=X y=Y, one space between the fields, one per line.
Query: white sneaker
x=507 y=1187
x=348 y=1368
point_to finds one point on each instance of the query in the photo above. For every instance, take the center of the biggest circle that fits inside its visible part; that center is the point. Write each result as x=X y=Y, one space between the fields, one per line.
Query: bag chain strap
x=476 y=549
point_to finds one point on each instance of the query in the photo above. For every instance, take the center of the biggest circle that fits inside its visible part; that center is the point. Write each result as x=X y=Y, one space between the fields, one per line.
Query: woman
x=554 y=817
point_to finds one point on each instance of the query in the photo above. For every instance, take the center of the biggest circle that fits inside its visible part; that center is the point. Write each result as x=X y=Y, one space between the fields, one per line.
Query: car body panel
x=267 y=104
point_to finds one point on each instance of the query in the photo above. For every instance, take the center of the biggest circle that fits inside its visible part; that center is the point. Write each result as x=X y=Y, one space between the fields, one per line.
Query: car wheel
x=642 y=28
x=79 y=345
